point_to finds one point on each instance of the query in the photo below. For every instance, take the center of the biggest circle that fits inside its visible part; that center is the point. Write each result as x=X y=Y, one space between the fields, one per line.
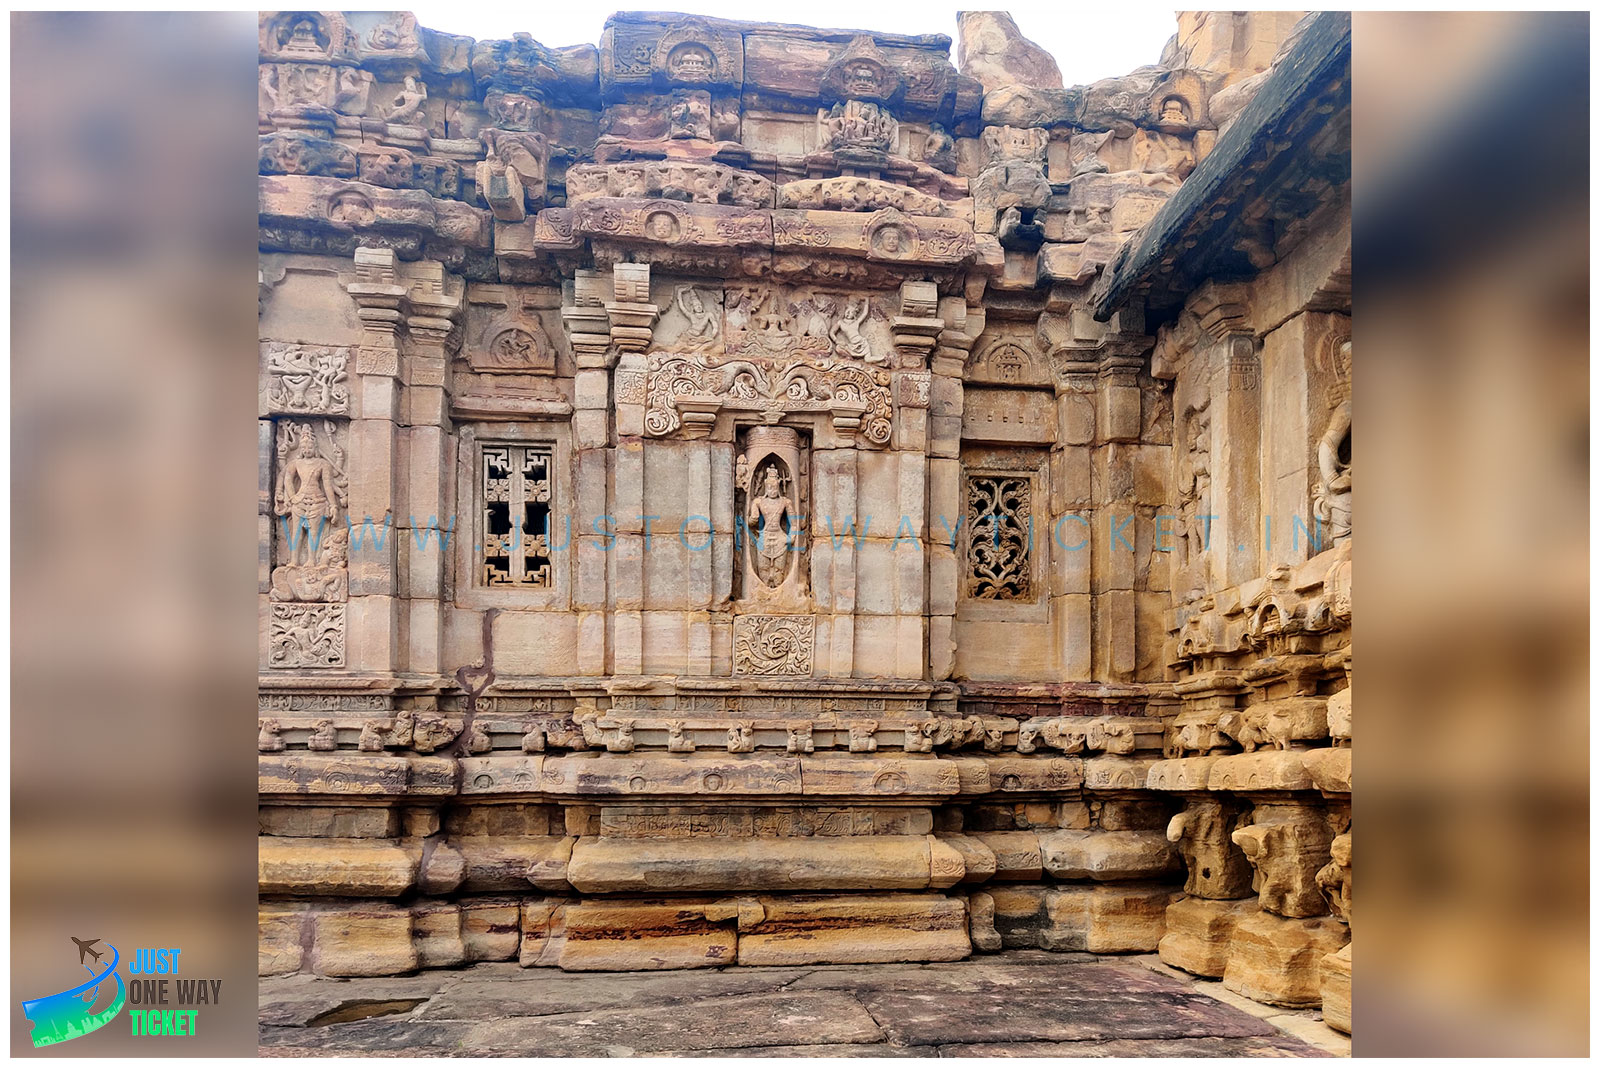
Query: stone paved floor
x=1011 y=1004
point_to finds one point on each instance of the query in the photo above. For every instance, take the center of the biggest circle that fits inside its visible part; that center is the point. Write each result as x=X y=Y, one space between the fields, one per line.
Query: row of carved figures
x=428 y=733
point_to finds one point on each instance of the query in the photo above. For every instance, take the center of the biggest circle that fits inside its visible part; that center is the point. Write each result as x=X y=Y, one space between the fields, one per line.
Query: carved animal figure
x=268 y=740
x=741 y=737
x=677 y=741
x=800 y=739
x=861 y=736
x=374 y=732
x=1244 y=729
x=622 y=740
x=323 y=738
x=1112 y=738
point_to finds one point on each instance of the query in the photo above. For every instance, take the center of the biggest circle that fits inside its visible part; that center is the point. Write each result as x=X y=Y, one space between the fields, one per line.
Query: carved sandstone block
x=1105 y=918
x=1336 y=990
x=669 y=775
x=1279 y=961
x=1107 y=856
x=878 y=777
x=616 y=865
x=436 y=934
x=363 y=942
x=857 y=929
x=1287 y=844
x=335 y=867
x=503 y=864
x=279 y=938
x=1203 y=832
x=977 y=859
x=1016 y=854
x=628 y=936
x=1200 y=931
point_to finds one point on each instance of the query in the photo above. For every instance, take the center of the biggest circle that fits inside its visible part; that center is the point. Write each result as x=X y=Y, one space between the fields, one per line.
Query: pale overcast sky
x=1089 y=43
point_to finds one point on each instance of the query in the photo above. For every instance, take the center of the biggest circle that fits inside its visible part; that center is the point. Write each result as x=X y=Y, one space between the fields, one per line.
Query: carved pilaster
x=918 y=326
x=632 y=314
x=376 y=288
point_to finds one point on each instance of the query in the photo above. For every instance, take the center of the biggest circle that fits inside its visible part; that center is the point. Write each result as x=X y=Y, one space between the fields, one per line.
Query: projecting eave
x=1245 y=205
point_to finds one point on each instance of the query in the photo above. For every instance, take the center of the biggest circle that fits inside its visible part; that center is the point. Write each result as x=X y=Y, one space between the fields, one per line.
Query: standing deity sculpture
x=770 y=471
x=308 y=493
x=771 y=526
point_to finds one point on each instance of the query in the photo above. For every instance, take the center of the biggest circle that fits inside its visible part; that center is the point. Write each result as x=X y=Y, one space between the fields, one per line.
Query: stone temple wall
x=713 y=510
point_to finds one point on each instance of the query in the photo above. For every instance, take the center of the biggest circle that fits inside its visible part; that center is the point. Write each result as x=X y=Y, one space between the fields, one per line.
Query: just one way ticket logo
x=167 y=1005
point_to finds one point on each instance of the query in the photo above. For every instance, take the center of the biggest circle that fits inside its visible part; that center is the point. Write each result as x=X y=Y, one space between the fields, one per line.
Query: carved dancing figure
x=407 y=109
x=702 y=322
x=846 y=333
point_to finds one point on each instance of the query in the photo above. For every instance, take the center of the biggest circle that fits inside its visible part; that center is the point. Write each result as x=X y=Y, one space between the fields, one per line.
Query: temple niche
x=785 y=499
x=769 y=478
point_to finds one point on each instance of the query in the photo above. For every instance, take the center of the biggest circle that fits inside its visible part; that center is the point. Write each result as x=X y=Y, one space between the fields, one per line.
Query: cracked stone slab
x=878 y=1051
x=368 y=1035
x=762 y=1020
x=1054 y=1014
x=1200 y=1047
x=557 y=994
x=1099 y=979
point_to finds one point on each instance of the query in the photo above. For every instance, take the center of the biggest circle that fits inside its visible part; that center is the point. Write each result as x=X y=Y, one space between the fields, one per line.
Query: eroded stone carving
x=688 y=391
x=306 y=635
x=1287 y=844
x=857 y=124
x=307 y=379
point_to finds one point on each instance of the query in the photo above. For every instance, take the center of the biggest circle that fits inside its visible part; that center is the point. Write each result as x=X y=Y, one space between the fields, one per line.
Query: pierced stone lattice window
x=517 y=485
x=999 y=558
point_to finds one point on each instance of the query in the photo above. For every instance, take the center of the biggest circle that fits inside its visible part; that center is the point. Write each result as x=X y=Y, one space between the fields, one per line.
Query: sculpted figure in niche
x=307 y=492
x=1331 y=497
x=408 y=103
x=1194 y=489
x=767 y=515
x=703 y=323
x=846 y=333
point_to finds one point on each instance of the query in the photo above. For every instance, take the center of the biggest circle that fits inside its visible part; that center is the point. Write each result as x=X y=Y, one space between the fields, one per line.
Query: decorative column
x=374 y=642
x=963 y=323
x=435 y=301
x=589 y=330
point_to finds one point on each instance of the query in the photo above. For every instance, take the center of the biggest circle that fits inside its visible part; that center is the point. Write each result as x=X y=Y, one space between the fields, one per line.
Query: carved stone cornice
x=1222 y=308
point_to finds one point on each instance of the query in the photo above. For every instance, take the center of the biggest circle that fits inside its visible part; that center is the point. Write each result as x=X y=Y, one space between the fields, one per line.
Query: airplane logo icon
x=86 y=948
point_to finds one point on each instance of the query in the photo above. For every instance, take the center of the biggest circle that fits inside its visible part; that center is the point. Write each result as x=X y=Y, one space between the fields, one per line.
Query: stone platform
x=1020 y=1003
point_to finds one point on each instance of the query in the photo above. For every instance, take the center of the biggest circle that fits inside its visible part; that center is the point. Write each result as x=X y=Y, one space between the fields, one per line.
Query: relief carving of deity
x=307 y=497
x=772 y=524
